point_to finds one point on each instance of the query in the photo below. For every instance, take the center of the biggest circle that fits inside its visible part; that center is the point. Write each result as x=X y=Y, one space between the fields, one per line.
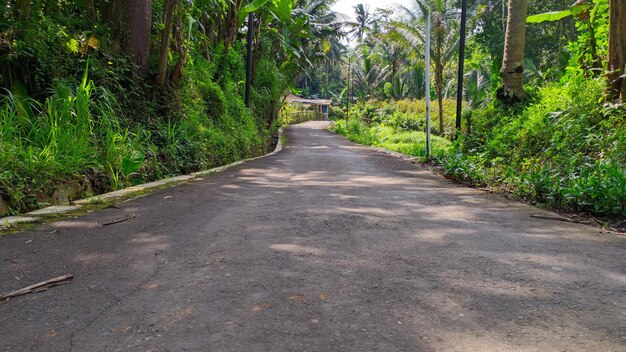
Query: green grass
x=560 y=148
x=80 y=135
x=410 y=142
x=406 y=142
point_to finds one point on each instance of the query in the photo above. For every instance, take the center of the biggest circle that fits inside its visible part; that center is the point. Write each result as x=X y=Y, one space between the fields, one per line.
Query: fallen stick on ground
x=118 y=221
x=38 y=287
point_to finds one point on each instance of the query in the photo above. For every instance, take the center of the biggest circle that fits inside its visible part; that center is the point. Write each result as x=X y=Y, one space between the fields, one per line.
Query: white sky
x=346 y=6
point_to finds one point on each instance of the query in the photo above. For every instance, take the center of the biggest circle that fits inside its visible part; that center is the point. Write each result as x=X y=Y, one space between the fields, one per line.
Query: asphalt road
x=325 y=246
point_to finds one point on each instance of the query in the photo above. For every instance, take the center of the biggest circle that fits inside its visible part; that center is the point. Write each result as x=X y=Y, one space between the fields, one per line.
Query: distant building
x=319 y=105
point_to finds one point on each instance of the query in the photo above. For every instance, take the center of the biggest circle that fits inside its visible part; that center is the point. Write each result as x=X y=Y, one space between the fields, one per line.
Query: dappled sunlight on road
x=296 y=249
x=326 y=238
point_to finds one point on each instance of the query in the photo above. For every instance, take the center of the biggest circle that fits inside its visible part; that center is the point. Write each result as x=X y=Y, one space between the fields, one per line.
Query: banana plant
x=576 y=10
x=587 y=14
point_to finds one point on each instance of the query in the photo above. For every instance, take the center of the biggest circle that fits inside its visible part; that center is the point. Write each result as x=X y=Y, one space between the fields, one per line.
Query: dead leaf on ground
x=297 y=297
x=260 y=306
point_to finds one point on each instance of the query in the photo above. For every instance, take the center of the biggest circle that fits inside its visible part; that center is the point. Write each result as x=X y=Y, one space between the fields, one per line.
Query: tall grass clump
x=69 y=136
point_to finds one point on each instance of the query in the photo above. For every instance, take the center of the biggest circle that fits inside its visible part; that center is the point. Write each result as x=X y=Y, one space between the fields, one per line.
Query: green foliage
x=107 y=135
x=132 y=163
x=405 y=114
x=268 y=90
x=72 y=132
x=370 y=126
x=557 y=15
x=590 y=48
x=562 y=149
x=336 y=112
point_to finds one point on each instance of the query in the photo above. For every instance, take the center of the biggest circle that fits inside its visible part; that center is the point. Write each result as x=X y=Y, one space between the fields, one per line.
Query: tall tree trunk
x=231 y=23
x=617 y=50
x=514 y=43
x=211 y=30
x=91 y=10
x=179 y=44
x=113 y=13
x=394 y=73
x=168 y=18
x=22 y=8
x=140 y=24
x=440 y=102
x=205 y=40
x=257 y=46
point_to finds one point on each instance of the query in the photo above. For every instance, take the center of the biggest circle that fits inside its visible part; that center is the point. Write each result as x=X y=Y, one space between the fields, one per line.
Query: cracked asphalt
x=325 y=246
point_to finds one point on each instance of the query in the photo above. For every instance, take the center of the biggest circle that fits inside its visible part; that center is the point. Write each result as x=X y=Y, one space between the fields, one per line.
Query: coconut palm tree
x=387 y=50
x=512 y=70
x=363 y=22
x=445 y=34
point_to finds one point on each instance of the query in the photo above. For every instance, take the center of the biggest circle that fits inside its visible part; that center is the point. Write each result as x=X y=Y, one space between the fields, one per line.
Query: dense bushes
x=406 y=114
x=85 y=136
x=399 y=140
x=396 y=125
x=563 y=148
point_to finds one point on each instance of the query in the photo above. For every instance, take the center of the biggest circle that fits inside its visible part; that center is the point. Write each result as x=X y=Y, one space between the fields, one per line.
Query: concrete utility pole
x=249 y=58
x=427 y=84
x=349 y=89
x=459 y=91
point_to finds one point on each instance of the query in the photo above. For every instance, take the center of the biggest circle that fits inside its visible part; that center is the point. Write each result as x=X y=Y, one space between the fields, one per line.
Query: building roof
x=296 y=99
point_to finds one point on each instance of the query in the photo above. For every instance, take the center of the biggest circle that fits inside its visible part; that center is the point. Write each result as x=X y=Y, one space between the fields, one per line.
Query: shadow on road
x=326 y=246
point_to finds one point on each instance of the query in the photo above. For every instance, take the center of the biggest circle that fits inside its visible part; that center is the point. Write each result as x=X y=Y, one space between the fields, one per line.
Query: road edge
x=8 y=222
x=548 y=212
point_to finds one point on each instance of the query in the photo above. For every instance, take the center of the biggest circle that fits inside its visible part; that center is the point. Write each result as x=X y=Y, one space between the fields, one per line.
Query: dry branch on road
x=38 y=287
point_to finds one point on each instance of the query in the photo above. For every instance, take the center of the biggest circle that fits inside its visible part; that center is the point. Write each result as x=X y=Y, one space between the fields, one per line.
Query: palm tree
x=319 y=31
x=445 y=34
x=363 y=22
x=323 y=40
x=372 y=74
x=512 y=71
x=387 y=50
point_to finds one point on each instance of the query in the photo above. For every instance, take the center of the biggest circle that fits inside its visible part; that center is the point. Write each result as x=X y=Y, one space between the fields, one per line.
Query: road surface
x=325 y=246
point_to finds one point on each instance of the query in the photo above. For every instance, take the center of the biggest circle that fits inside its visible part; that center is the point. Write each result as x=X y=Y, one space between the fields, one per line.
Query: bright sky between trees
x=347 y=6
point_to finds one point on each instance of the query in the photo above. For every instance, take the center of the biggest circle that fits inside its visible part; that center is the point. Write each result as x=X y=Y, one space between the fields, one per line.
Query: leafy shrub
x=406 y=114
x=268 y=90
x=406 y=142
x=336 y=112
x=562 y=149
x=82 y=130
